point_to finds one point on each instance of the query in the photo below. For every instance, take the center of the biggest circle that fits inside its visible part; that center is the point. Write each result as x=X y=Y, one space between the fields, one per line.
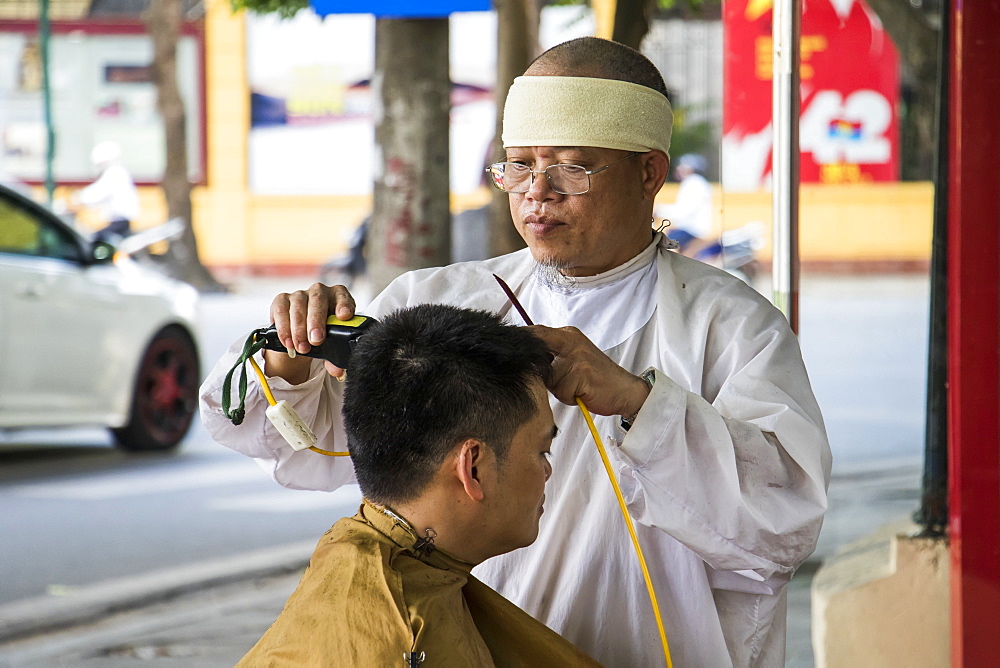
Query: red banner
x=849 y=122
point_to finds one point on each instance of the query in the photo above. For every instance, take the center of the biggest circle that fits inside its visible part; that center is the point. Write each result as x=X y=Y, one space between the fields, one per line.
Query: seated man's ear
x=468 y=467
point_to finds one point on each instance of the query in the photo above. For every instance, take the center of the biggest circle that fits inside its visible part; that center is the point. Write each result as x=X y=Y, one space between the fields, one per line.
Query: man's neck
x=560 y=279
x=425 y=517
x=635 y=249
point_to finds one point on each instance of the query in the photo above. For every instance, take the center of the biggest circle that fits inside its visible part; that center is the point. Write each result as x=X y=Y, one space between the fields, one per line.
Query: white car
x=90 y=337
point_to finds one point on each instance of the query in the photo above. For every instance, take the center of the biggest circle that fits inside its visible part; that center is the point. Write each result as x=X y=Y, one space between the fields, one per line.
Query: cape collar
x=399 y=531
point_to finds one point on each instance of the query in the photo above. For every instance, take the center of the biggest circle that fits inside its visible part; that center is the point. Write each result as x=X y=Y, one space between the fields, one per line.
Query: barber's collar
x=639 y=262
x=608 y=308
x=559 y=283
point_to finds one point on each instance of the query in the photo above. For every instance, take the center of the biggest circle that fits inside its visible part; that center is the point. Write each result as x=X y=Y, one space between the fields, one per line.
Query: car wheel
x=165 y=395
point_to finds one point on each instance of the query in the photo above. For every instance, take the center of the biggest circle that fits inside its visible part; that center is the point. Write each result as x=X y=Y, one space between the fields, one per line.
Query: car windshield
x=23 y=232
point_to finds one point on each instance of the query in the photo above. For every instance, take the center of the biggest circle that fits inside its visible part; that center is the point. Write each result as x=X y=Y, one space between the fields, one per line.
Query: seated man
x=449 y=429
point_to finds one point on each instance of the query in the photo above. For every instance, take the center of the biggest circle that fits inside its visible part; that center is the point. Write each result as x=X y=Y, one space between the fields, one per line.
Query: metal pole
x=933 y=512
x=44 y=32
x=787 y=28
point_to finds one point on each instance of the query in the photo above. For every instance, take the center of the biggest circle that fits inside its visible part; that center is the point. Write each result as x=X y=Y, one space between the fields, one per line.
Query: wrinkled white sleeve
x=317 y=401
x=740 y=477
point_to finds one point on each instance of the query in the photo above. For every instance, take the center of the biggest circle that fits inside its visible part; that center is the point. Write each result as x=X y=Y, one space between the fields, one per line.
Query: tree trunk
x=916 y=40
x=517 y=46
x=411 y=220
x=632 y=19
x=163 y=20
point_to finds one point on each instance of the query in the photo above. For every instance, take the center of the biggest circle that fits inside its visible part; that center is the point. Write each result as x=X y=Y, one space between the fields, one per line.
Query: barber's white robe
x=725 y=469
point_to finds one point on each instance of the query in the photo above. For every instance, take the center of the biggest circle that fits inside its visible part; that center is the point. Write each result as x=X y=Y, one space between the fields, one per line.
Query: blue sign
x=402 y=9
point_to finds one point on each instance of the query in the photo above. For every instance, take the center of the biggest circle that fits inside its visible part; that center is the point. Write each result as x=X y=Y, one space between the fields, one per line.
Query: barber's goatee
x=548 y=272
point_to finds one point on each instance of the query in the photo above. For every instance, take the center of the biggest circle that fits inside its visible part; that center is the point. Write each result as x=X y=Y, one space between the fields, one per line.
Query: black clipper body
x=341 y=337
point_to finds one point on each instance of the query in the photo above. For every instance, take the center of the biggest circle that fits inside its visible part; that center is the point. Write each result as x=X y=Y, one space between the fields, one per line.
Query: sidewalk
x=210 y=614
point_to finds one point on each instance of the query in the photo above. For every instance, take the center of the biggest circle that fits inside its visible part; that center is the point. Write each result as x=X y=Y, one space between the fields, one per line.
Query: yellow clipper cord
x=263 y=382
x=631 y=528
x=270 y=399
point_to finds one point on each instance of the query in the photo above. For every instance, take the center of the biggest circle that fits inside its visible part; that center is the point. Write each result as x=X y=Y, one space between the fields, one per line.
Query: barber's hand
x=300 y=320
x=581 y=369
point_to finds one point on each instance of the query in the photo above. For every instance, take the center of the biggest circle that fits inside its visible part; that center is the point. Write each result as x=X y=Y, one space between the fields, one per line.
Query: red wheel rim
x=167 y=389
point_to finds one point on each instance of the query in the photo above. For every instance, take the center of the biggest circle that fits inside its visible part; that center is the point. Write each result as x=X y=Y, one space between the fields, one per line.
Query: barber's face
x=590 y=233
x=518 y=489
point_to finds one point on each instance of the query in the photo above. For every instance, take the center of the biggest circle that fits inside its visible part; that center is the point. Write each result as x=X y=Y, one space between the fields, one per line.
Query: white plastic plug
x=291 y=427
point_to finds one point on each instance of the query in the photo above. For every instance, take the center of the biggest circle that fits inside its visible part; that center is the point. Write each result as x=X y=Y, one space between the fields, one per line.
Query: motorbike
x=137 y=243
x=345 y=268
x=125 y=240
x=735 y=251
x=469 y=241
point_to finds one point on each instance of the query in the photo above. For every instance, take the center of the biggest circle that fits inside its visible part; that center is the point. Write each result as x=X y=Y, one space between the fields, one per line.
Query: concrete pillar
x=883 y=601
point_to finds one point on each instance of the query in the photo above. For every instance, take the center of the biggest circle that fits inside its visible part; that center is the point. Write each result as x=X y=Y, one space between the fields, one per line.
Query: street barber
x=449 y=428
x=697 y=381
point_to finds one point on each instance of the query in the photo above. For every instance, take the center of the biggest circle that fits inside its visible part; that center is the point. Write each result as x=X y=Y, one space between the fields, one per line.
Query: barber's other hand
x=300 y=320
x=581 y=369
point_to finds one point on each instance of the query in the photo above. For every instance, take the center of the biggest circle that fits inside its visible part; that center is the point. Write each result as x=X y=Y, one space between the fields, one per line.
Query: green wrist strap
x=253 y=343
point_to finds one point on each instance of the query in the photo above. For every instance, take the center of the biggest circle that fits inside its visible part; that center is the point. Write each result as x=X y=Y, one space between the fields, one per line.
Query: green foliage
x=666 y=5
x=687 y=7
x=694 y=137
x=286 y=9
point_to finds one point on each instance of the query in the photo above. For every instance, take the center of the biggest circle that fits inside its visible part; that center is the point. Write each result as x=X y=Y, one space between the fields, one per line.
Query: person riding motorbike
x=113 y=194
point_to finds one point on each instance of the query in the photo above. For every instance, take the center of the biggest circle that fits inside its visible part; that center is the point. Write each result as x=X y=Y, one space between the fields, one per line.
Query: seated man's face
x=520 y=482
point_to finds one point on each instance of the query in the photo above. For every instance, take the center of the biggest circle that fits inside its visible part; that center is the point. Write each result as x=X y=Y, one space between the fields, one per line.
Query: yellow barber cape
x=368 y=598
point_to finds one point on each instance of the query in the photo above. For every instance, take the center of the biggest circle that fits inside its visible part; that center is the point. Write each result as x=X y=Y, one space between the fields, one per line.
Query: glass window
x=102 y=90
x=23 y=234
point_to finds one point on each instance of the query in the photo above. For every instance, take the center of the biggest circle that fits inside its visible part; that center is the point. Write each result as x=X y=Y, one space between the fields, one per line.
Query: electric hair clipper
x=341 y=337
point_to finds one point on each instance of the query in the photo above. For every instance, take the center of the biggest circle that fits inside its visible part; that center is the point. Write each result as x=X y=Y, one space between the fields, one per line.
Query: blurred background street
x=80 y=515
x=278 y=146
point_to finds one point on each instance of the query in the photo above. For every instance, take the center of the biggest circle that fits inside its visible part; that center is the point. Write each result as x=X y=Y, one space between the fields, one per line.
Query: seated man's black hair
x=427 y=378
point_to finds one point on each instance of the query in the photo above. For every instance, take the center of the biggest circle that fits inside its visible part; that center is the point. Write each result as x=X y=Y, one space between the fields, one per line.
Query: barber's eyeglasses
x=514 y=177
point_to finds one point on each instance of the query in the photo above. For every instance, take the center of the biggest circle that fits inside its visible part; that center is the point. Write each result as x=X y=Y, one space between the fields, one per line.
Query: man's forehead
x=557 y=150
x=541 y=394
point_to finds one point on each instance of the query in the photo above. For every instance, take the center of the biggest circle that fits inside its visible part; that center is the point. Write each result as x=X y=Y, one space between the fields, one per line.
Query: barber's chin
x=547 y=256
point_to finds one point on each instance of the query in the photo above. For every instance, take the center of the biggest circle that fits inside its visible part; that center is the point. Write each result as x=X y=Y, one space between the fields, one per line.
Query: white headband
x=580 y=111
